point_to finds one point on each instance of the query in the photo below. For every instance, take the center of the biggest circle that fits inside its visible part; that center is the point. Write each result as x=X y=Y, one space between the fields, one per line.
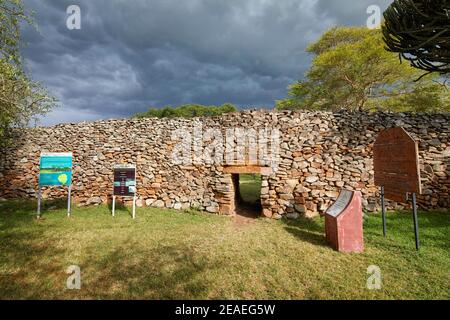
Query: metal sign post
x=383 y=212
x=114 y=206
x=416 y=222
x=134 y=206
x=68 y=201
x=39 y=203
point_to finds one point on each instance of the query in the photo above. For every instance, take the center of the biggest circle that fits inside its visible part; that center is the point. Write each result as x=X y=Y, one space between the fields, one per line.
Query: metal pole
x=416 y=222
x=134 y=206
x=39 y=202
x=134 y=198
x=68 y=201
x=383 y=212
x=113 y=206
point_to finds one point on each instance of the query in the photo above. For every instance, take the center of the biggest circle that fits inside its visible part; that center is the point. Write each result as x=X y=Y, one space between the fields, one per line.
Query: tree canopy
x=187 y=111
x=419 y=30
x=21 y=98
x=352 y=70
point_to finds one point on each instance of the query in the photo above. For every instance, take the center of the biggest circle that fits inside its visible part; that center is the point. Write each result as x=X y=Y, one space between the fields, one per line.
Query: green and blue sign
x=55 y=169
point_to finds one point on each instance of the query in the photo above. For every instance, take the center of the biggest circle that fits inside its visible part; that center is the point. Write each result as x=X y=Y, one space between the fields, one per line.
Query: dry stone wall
x=320 y=153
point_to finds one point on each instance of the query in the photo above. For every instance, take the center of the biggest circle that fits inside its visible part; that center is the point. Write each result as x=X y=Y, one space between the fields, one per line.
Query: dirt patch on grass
x=246 y=215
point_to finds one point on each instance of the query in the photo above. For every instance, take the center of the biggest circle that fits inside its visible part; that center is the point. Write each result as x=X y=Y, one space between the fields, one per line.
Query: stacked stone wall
x=319 y=154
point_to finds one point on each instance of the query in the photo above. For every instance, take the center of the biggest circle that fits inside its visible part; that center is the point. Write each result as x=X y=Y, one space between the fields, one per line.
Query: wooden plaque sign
x=396 y=164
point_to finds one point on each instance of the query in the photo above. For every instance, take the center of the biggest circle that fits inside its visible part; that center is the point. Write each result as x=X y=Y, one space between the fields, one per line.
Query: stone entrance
x=231 y=202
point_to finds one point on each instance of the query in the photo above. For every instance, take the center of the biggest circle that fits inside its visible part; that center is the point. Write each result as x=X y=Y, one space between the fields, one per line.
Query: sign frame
x=397 y=178
x=339 y=205
x=40 y=184
x=134 y=196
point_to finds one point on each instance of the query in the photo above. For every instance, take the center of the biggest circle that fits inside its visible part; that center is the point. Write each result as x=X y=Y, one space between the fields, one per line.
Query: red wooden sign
x=396 y=164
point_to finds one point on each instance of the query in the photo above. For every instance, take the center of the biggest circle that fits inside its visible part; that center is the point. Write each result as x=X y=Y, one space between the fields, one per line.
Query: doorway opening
x=245 y=199
x=248 y=194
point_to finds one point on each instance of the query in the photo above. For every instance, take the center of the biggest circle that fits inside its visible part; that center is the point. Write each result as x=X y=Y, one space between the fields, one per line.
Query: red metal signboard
x=396 y=164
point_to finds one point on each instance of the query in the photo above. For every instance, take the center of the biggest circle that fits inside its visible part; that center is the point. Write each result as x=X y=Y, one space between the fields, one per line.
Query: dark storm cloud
x=130 y=55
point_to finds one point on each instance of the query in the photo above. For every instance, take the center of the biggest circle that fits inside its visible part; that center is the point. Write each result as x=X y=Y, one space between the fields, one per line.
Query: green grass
x=170 y=255
x=250 y=187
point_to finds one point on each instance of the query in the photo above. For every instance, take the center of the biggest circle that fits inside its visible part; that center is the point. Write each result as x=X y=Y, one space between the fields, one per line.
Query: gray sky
x=130 y=55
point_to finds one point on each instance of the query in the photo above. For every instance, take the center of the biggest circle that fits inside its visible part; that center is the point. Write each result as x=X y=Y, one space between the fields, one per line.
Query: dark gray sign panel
x=125 y=181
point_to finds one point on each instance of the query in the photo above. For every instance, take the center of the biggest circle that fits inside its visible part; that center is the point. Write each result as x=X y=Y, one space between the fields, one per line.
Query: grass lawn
x=165 y=254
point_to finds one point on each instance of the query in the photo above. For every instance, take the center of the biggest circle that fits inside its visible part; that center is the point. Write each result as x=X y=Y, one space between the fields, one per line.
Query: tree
x=21 y=99
x=351 y=70
x=187 y=111
x=419 y=31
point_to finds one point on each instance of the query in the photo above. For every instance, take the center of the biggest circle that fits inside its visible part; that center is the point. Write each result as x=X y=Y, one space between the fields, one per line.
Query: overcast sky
x=130 y=55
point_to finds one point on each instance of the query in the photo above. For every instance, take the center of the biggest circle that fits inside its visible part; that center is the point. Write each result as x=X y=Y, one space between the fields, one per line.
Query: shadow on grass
x=34 y=267
x=34 y=261
x=434 y=228
x=307 y=230
x=13 y=212
x=163 y=272
x=26 y=267
x=120 y=207
x=14 y=206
